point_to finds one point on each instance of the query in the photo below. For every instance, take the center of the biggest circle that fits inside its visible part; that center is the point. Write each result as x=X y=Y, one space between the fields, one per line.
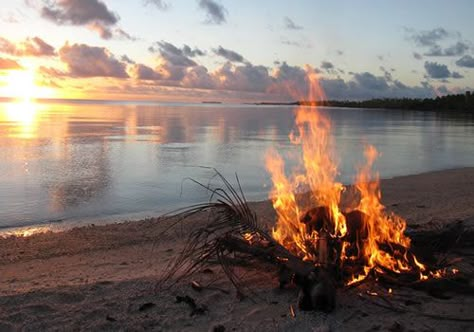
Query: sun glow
x=23 y=85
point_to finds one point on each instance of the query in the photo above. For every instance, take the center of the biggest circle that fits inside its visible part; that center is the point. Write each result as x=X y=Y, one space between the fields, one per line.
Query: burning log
x=317 y=219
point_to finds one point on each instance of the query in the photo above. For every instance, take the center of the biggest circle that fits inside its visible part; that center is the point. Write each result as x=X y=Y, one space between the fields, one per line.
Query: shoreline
x=98 y=277
x=58 y=226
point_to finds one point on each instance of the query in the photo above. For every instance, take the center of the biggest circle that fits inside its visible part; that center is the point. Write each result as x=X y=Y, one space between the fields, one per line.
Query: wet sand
x=104 y=277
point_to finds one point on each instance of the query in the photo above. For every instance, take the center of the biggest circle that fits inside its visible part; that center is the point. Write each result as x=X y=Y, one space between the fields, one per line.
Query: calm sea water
x=82 y=162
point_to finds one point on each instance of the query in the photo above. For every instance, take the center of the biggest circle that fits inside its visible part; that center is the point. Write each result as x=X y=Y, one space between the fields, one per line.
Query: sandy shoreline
x=103 y=277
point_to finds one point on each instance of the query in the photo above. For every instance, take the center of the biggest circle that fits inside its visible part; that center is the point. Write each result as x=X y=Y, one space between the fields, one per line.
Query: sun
x=22 y=84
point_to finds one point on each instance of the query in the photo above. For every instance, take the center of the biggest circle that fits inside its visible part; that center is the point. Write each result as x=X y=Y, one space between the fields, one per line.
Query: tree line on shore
x=455 y=102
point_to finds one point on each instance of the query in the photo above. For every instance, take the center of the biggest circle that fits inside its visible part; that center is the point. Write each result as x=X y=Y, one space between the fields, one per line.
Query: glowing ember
x=367 y=237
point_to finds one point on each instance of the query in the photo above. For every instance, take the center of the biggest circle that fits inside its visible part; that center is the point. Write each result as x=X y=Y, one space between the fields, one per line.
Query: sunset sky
x=234 y=50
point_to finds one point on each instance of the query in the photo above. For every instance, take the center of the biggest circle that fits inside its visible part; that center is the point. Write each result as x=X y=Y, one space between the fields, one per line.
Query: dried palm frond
x=229 y=215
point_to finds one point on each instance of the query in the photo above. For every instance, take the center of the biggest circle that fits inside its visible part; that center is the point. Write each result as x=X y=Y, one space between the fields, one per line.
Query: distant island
x=455 y=102
x=211 y=102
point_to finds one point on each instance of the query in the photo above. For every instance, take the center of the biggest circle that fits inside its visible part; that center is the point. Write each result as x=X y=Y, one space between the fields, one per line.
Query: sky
x=228 y=50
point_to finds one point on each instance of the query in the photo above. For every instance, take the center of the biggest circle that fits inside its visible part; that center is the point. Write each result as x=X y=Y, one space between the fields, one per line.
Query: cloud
x=143 y=72
x=417 y=56
x=89 y=61
x=326 y=65
x=292 y=81
x=454 y=50
x=173 y=55
x=126 y=59
x=431 y=39
x=29 y=47
x=242 y=78
x=440 y=71
x=103 y=31
x=37 y=47
x=466 y=61
x=436 y=70
x=289 y=80
x=7 y=46
x=175 y=63
x=428 y=38
x=370 y=81
x=387 y=73
x=188 y=51
x=166 y=47
x=288 y=73
x=337 y=89
x=215 y=12
x=7 y=64
x=108 y=33
x=91 y=13
x=302 y=44
x=52 y=72
x=160 y=4
x=78 y=12
x=178 y=67
x=284 y=82
x=455 y=74
x=121 y=34
x=290 y=25
x=442 y=89
x=198 y=77
x=9 y=17
x=230 y=55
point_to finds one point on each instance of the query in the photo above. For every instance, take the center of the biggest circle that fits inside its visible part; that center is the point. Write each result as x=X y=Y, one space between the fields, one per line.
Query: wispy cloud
x=229 y=54
x=295 y=43
x=431 y=40
x=290 y=25
x=215 y=12
x=427 y=37
x=457 y=49
x=11 y=17
x=160 y=4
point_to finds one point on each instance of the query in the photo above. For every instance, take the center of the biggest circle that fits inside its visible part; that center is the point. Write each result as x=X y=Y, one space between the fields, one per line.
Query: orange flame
x=317 y=176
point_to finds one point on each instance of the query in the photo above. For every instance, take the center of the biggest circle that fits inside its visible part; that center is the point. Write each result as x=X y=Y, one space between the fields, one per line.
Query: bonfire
x=326 y=235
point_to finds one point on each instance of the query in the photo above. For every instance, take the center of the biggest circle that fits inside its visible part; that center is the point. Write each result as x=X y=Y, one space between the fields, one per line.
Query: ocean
x=67 y=163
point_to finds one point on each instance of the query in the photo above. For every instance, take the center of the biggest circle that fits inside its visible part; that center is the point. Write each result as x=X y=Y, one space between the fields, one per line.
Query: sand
x=104 y=277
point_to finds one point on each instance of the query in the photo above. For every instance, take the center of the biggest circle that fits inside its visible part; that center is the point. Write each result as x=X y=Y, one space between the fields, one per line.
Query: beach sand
x=104 y=277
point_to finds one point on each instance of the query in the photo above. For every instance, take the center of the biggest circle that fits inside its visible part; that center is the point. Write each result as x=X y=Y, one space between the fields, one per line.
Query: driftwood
x=272 y=253
x=442 y=238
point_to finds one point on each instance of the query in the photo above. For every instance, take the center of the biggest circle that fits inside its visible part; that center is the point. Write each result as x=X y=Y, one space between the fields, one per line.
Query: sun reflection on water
x=28 y=231
x=23 y=114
